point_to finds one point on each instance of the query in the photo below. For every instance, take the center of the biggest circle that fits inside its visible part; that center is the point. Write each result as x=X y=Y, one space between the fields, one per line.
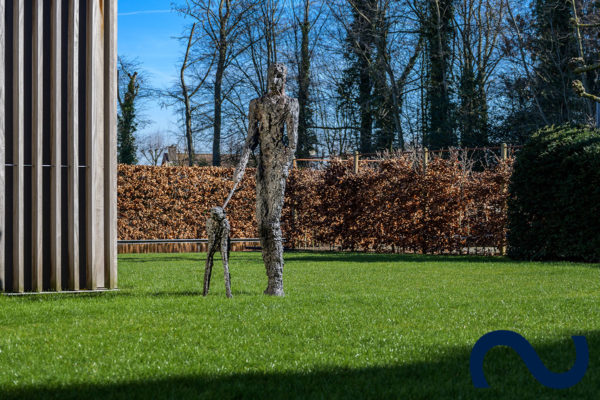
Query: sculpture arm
x=250 y=146
x=292 y=130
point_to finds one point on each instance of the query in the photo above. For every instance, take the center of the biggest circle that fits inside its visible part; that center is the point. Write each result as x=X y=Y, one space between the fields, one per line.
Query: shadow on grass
x=60 y=296
x=327 y=257
x=177 y=257
x=198 y=293
x=125 y=293
x=417 y=258
x=349 y=257
x=445 y=377
x=185 y=293
x=188 y=257
x=412 y=258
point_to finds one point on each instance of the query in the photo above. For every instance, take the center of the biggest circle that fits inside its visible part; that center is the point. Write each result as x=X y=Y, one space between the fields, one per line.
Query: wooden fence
x=180 y=245
x=504 y=151
x=58 y=82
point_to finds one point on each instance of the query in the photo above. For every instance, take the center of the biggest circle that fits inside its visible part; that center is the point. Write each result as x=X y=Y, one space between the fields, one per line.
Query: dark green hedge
x=554 y=204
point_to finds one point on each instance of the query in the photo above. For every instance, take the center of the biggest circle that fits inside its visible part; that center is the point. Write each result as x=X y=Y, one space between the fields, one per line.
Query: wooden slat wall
x=2 y=146
x=92 y=250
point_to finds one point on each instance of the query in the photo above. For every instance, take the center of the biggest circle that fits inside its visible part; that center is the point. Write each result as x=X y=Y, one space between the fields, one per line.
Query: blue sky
x=146 y=32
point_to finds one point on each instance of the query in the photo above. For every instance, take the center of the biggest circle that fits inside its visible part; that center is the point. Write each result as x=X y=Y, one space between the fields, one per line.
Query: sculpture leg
x=212 y=247
x=225 y=257
x=228 y=246
x=228 y=250
x=269 y=206
x=272 y=252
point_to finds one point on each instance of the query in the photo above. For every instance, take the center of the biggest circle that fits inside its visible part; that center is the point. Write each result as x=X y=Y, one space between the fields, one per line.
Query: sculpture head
x=217 y=214
x=276 y=79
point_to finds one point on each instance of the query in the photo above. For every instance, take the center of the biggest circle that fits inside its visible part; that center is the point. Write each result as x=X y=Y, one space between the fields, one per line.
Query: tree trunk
x=305 y=141
x=186 y=100
x=398 y=87
x=218 y=100
x=188 y=130
x=440 y=132
x=216 y=149
x=366 y=117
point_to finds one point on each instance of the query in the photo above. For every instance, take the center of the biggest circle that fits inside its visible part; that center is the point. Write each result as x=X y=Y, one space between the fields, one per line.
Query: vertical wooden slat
x=73 y=146
x=38 y=131
x=56 y=160
x=110 y=145
x=2 y=146
x=18 y=146
x=90 y=221
x=91 y=133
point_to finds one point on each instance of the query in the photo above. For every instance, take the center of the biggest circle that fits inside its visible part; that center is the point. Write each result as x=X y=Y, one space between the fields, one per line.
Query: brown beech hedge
x=390 y=206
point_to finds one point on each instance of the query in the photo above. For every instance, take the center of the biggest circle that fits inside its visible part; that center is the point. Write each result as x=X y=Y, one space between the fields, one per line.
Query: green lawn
x=351 y=326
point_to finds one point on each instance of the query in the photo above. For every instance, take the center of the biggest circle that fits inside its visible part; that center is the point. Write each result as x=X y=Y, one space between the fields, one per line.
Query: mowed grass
x=351 y=326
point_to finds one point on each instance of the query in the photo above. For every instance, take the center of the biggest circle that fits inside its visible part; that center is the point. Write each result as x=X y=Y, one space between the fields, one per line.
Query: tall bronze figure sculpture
x=274 y=127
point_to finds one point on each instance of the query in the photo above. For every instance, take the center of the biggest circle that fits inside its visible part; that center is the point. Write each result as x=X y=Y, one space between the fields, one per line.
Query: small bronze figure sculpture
x=217 y=228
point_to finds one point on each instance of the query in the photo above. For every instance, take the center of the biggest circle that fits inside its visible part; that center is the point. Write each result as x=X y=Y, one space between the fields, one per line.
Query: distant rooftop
x=174 y=157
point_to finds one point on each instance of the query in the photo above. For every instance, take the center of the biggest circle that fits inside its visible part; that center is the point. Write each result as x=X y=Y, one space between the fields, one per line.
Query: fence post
x=295 y=164
x=504 y=153
x=356 y=158
x=425 y=159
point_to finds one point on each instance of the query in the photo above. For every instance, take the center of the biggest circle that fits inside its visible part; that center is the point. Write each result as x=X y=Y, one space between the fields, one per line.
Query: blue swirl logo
x=531 y=359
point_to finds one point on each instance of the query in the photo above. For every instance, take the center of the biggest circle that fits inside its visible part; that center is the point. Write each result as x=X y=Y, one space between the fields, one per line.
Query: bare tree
x=485 y=43
x=220 y=23
x=153 y=147
x=261 y=34
x=517 y=48
x=372 y=31
x=308 y=18
x=187 y=90
x=580 y=65
x=259 y=45
x=479 y=27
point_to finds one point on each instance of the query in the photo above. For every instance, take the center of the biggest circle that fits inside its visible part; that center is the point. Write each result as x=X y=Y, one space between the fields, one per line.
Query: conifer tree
x=554 y=47
x=307 y=138
x=357 y=83
x=473 y=113
x=382 y=94
x=438 y=30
